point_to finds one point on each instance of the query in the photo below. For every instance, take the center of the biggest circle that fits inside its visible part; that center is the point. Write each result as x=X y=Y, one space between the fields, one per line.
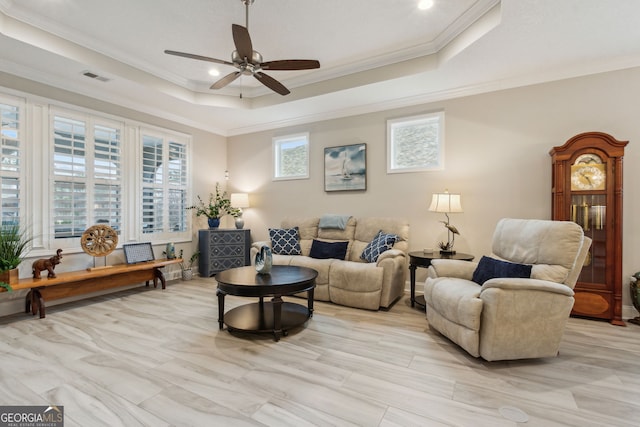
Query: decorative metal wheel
x=99 y=240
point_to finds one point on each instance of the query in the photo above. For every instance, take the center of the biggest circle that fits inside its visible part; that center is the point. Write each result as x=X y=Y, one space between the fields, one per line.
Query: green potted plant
x=187 y=267
x=14 y=245
x=215 y=208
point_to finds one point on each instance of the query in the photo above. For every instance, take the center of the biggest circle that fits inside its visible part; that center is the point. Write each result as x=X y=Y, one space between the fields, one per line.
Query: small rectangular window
x=291 y=157
x=416 y=143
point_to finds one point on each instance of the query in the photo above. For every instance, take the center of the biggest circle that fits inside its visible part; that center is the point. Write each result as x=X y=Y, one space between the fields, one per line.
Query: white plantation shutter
x=177 y=166
x=164 y=188
x=107 y=177
x=87 y=181
x=152 y=184
x=10 y=162
x=69 y=171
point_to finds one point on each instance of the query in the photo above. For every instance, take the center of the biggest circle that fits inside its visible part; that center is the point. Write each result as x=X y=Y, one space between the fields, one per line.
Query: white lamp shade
x=445 y=202
x=240 y=200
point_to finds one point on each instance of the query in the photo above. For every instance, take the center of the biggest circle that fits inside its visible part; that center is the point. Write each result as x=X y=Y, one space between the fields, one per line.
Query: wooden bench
x=80 y=282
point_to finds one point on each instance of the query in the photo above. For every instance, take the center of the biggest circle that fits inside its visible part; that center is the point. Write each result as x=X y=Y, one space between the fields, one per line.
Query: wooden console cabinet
x=222 y=249
x=587 y=189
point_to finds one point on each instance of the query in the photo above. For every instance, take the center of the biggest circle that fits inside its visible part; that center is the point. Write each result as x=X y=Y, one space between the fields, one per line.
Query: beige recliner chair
x=508 y=318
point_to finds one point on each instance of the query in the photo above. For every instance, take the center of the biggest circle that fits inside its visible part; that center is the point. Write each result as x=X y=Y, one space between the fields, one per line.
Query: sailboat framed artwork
x=345 y=168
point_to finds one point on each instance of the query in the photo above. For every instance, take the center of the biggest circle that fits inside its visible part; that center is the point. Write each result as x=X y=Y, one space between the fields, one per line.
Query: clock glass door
x=590 y=212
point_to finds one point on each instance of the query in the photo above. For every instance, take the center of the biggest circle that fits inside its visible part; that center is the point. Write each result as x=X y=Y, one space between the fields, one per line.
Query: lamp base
x=447 y=252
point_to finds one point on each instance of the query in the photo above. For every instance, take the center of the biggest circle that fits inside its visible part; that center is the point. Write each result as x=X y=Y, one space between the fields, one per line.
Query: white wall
x=496 y=156
x=497 y=147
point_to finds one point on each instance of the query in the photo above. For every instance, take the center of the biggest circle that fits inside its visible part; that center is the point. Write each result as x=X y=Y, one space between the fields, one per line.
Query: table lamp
x=447 y=203
x=239 y=201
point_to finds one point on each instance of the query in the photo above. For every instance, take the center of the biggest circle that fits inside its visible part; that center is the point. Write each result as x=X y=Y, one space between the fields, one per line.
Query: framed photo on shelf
x=345 y=168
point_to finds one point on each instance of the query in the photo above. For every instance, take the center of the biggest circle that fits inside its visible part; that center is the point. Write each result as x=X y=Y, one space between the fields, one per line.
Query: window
x=87 y=181
x=291 y=157
x=415 y=143
x=164 y=183
x=11 y=134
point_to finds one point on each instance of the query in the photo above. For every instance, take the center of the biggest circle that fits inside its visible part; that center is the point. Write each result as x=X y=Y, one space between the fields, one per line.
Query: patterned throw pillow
x=285 y=241
x=379 y=244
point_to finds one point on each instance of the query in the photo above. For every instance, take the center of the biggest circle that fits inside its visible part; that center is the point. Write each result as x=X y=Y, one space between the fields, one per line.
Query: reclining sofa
x=352 y=281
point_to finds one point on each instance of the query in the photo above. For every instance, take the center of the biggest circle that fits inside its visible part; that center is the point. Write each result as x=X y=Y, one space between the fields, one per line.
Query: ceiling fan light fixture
x=214 y=72
x=249 y=62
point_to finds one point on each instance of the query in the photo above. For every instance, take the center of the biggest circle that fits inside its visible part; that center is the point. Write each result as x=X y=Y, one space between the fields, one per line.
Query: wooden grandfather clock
x=587 y=189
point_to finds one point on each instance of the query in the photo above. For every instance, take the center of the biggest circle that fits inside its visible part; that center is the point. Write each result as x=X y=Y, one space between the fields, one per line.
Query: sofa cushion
x=325 y=250
x=380 y=243
x=367 y=229
x=490 y=268
x=285 y=241
x=308 y=229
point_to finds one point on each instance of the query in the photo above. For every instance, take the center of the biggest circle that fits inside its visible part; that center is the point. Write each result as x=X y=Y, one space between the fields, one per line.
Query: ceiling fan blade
x=225 y=80
x=291 y=64
x=198 y=57
x=271 y=83
x=242 y=41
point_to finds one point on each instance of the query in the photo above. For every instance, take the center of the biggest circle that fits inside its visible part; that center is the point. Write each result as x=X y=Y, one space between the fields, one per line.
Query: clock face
x=588 y=177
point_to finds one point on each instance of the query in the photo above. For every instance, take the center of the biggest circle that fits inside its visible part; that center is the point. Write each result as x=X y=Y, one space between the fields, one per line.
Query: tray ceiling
x=374 y=54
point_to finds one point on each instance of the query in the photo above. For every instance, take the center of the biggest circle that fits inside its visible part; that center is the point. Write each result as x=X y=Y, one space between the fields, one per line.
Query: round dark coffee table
x=276 y=316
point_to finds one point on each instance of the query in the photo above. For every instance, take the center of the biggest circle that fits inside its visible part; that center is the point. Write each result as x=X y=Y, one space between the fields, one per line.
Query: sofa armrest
x=390 y=253
x=519 y=284
x=452 y=268
x=259 y=244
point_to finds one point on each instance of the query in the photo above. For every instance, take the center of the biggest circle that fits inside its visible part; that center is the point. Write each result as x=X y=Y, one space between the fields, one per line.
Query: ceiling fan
x=249 y=62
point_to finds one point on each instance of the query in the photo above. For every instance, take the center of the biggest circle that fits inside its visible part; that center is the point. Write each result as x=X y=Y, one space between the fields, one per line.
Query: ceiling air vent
x=95 y=76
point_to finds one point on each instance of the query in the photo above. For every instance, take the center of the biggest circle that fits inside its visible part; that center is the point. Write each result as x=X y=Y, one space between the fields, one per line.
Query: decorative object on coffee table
x=447 y=203
x=264 y=260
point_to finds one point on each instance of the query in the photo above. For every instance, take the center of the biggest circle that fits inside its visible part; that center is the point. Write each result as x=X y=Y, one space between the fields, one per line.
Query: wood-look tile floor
x=157 y=358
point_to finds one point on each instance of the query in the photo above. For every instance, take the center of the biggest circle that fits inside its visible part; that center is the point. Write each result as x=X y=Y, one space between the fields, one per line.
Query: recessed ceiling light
x=425 y=4
x=213 y=72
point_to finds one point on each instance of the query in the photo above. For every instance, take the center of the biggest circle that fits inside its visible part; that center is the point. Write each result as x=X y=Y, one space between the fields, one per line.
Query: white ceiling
x=374 y=54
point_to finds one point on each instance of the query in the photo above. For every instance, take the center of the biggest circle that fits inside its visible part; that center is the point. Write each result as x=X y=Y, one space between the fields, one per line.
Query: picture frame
x=345 y=168
x=138 y=252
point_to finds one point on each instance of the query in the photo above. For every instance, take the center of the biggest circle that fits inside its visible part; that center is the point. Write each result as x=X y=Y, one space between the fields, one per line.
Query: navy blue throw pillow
x=490 y=268
x=324 y=250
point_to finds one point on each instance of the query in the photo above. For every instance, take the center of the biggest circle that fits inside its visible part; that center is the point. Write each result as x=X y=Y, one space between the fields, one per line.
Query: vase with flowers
x=217 y=206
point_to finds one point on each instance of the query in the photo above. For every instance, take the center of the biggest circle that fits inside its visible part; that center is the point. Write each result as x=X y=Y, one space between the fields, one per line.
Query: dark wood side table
x=422 y=259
